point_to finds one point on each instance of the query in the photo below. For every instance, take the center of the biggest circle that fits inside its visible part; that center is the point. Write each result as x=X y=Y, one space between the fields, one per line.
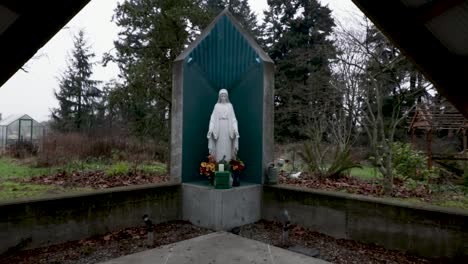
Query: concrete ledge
x=30 y=223
x=428 y=231
x=221 y=209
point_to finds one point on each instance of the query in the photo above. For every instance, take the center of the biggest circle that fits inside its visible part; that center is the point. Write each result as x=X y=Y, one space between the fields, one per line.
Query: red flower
x=237 y=165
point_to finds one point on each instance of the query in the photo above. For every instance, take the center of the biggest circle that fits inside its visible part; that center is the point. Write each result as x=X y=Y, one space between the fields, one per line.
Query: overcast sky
x=31 y=92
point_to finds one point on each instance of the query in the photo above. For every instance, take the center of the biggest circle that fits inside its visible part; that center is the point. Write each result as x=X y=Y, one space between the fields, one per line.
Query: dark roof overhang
x=433 y=35
x=27 y=25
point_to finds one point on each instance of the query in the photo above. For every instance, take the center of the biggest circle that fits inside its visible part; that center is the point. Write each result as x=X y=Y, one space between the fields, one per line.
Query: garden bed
x=109 y=246
x=330 y=249
x=447 y=195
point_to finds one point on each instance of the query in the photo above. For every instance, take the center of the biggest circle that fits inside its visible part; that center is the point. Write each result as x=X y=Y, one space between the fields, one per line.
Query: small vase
x=211 y=179
x=236 y=179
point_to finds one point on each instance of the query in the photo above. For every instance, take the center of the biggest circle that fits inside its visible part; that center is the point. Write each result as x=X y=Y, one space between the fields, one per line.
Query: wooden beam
x=429 y=148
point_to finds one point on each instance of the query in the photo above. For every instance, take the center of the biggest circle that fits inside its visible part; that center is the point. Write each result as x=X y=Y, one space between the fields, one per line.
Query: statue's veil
x=225 y=92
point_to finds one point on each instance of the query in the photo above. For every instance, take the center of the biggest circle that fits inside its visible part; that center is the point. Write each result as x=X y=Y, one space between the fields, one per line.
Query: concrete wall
x=428 y=231
x=40 y=222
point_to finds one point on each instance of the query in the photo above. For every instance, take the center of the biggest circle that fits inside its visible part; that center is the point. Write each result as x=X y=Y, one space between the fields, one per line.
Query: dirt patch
x=109 y=246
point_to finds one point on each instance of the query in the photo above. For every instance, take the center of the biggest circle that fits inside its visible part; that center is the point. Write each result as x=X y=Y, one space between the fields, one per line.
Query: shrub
x=22 y=149
x=61 y=148
x=410 y=163
x=318 y=163
x=120 y=168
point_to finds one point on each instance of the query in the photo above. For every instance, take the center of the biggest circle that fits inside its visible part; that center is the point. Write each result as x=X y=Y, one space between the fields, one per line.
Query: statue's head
x=223 y=96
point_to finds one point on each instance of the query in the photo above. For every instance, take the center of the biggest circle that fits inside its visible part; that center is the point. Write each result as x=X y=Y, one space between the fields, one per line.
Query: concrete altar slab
x=219 y=247
x=221 y=209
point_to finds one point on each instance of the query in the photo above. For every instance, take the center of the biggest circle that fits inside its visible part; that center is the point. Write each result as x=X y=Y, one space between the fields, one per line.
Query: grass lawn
x=10 y=169
x=366 y=173
x=15 y=190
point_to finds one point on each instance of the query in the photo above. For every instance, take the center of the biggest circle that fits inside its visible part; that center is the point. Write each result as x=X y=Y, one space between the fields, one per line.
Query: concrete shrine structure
x=224 y=56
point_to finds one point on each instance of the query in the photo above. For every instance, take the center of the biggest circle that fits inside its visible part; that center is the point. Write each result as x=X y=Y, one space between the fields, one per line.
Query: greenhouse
x=19 y=129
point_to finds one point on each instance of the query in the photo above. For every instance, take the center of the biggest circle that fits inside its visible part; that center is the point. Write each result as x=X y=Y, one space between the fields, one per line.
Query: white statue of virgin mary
x=223 y=135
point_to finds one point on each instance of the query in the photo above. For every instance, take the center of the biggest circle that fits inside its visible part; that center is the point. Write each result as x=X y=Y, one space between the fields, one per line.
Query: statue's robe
x=224 y=140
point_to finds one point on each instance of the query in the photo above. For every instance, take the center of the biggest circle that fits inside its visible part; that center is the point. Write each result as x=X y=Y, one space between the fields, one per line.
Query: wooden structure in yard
x=440 y=116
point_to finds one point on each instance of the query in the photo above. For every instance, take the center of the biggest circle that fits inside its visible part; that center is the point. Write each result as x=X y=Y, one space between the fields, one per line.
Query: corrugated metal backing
x=451 y=28
x=224 y=55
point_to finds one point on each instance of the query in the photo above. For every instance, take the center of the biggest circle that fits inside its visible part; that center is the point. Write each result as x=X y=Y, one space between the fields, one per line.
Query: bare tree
x=372 y=77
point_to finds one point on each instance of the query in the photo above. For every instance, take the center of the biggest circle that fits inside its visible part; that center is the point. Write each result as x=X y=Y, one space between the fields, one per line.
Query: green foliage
x=119 y=168
x=79 y=165
x=410 y=163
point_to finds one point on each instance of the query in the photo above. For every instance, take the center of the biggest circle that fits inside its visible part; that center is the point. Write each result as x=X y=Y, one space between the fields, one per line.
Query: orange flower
x=211 y=159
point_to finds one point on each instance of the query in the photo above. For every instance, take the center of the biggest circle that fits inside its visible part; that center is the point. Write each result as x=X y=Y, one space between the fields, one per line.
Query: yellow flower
x=203 y=164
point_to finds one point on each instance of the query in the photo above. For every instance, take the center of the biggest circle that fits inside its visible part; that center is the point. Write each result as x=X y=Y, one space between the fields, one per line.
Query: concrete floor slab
x=220 y=247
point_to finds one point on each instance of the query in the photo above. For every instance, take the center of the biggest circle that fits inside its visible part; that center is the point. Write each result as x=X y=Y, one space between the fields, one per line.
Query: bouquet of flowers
x=207 y=168
x=237 y=167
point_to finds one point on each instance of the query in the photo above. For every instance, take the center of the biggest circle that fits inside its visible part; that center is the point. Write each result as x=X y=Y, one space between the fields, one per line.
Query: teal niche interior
x=224 y=56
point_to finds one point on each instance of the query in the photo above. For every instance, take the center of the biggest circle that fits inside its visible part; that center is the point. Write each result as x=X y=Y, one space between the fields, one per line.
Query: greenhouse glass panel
x=2 y=138
x=38 y=130
x=13 y=132
x=25 y=130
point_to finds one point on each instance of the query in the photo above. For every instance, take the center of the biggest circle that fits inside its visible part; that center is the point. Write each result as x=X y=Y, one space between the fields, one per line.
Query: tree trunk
x=388 y=176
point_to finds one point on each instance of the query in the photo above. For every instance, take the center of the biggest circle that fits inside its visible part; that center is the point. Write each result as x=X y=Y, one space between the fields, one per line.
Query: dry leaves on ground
x=330 y=249
x=357 y=186
x=96 y=179
x=108 y=246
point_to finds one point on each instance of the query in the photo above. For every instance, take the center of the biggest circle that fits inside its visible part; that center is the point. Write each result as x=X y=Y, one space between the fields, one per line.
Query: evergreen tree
x=153 y=33
x=297 y=37
x=240 y=9
x=78 y=95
